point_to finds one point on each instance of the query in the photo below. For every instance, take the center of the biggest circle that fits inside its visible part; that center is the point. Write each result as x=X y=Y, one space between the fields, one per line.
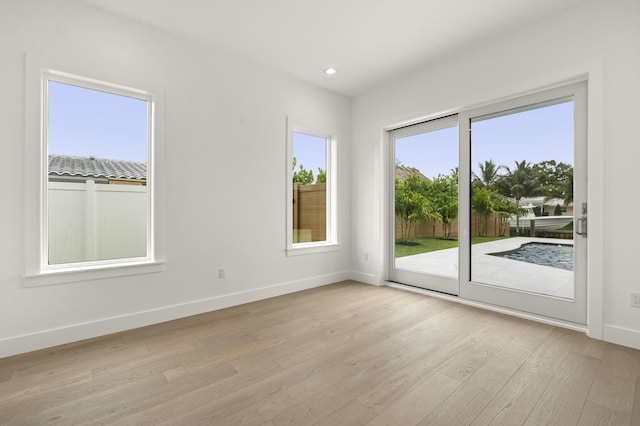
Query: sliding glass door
x=525 y=173
x=424 y=241
x=505 y=223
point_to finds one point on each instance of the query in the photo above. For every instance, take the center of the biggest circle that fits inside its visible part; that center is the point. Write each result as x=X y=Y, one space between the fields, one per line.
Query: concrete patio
x=494 y=270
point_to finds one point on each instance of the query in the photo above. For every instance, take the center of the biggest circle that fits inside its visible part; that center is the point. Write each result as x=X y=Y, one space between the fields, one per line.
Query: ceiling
x=369 y=42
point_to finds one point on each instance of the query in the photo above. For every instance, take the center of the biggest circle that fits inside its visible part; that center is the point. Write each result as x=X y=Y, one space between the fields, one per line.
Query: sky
x=310 y=151
x=534 y=135
x=85 y=122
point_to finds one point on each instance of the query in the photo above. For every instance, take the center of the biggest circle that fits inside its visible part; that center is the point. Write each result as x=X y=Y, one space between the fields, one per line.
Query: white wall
x=600 y=37
x=225 y=130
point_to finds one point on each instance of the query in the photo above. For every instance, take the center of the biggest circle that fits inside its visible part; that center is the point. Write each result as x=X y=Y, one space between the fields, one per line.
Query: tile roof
x=66 y=165
x=403 y=172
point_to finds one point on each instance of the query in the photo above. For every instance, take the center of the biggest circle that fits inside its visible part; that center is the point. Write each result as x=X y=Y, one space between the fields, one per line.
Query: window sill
x=311 y=248
x=94 y=273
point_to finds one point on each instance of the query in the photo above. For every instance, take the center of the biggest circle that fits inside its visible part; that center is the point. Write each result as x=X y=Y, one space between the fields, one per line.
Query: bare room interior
x=319 y=212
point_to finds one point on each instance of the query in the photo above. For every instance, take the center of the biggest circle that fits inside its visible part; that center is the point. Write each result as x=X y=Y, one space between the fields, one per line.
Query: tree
x=521 y=181
x=487 y=202
x=301 y=176
x=443 y=194
x=505 y=209
x=489 y=173
x=566 y=188
x=557 y=211
x=411 y=204
x=556 y=179
x=305 y=177
x=483 y=204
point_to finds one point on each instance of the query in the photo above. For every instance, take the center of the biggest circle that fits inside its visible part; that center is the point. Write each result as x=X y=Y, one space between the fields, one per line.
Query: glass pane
x=426 y=202
x=522 y=199
x=97 y=175
x=309 y=188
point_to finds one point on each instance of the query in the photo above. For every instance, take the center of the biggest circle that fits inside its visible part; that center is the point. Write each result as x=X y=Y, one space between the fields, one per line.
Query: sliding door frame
x=578 y=311
x=433 y=282
x=574 y=311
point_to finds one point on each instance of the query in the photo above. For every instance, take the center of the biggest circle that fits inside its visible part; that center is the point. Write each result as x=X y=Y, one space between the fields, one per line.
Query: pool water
x=554 y=255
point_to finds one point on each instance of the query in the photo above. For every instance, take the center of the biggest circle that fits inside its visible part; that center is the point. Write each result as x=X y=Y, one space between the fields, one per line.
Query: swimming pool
x=554 y=255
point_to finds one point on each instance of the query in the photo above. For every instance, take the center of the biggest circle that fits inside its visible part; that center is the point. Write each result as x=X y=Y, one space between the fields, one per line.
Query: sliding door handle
x=581 y=226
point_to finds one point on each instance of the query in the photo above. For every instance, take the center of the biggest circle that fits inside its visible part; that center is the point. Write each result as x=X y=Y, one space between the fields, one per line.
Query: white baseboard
x=621 y=336
x=59 y=336
x=364 y=278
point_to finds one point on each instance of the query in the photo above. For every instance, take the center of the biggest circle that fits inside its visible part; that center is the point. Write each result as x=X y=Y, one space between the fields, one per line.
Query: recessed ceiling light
x=330 y=71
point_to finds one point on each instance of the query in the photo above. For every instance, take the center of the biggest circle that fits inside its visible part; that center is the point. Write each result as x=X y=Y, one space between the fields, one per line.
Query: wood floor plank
x=84 y=354
x=375 y=359
x=590 y=347
x=566 y=394
x=615 y=382
x=274 y=347
x=416 y=312
x=336 y=334
x=466 y=363
x=440 y=347
x=635 y=415
x=270 y=407
x=419 y=402
x=195 y=391
x=57 y=392
x=594 y=414
x=350 y=414
x=515 y=401
x=83 y=406
x=514 y=326
x=443 y=348
x=213 y=405
x=341 y=354
x=315 y=409
x=117 y=410
x=469 y=399
x=26 y=401
x=6 y=375
x=290 y=327
x=155 y=363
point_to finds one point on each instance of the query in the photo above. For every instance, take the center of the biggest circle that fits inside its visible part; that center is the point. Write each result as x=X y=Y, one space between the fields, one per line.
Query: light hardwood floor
x=344 y=354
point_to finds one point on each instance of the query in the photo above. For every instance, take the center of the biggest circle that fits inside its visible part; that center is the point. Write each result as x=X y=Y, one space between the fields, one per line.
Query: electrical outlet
x=635 y=300
x=222 y=273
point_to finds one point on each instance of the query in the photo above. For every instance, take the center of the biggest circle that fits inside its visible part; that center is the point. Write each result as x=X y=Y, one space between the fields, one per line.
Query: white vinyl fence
x=96 y=222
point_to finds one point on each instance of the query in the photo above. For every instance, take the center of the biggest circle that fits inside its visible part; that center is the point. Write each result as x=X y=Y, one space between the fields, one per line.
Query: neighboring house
x=547 y=205
x=67 y=168
x=403 y=172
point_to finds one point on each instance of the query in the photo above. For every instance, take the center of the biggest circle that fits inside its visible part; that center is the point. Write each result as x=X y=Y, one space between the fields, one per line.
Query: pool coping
x=497 y=271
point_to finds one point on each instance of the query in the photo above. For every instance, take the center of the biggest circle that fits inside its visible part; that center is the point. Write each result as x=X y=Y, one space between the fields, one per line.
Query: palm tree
x=519 y=182
x=489 y=173
x=567 y=188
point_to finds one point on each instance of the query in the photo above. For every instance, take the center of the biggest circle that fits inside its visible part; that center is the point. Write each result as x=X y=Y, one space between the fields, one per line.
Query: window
x=311 y=191
x=96 y=203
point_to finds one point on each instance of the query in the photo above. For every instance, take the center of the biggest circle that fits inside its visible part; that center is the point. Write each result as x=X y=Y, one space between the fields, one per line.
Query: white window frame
x=38 y=271
x=331 y=242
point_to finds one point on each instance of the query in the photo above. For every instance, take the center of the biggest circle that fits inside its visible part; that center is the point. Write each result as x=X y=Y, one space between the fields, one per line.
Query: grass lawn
x=427 y=244
x=567 y=227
